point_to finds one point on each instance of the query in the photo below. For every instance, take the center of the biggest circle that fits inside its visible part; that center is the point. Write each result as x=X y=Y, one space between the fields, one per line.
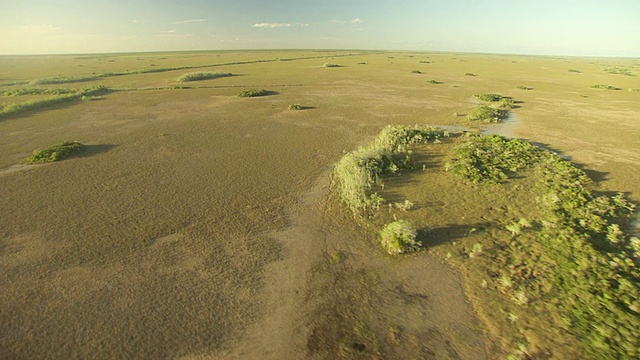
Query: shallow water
x=504 y=128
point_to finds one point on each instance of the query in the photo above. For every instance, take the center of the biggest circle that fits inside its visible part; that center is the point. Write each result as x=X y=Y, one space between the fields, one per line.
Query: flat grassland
x=200 y=224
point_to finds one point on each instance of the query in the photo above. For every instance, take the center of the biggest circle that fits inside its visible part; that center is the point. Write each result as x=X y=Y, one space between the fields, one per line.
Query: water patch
x=504 y=128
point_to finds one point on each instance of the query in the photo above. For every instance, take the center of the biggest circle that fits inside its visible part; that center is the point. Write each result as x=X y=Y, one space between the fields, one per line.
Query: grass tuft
x=295 y=107
x=331 y=65
x=56 y=152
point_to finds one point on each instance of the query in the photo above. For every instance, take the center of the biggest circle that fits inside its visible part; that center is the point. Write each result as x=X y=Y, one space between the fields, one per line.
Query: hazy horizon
x=568 y=28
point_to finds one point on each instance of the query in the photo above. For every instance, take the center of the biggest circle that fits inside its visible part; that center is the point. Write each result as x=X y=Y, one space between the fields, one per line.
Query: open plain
x=203 y=225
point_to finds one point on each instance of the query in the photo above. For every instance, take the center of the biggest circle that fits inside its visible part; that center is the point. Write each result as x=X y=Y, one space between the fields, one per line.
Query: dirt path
x=336 y=295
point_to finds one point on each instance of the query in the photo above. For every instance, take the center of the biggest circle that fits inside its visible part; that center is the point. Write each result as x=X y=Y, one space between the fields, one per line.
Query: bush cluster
x=360 y=171
x=56 y=152
x=202 y=75
x=605 y=87
x=491 y=158
x=253 y=93
x=595 y=266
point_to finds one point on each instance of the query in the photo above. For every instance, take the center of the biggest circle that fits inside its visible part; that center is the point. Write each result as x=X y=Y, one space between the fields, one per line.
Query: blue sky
x=543 y=27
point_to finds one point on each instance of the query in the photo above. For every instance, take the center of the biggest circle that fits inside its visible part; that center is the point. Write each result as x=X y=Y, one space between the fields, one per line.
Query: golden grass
x=160 y=245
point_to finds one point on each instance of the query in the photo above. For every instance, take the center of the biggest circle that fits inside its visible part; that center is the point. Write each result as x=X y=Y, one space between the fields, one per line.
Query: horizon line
x=329 y=49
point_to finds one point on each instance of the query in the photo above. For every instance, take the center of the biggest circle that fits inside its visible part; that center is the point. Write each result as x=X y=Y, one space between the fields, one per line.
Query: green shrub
x=416 y=72
x=253 y=93
x=434 y=82
x=469 y=74
x=330 y=65
x=56 y=152
x=359 y=171
x=424 y=62
x=574 y=71
x=202 y=75
x=486 y=114
x=488 y=97
x=521 y=87
x=605 y=87
x=295 y=107
x=399 y=237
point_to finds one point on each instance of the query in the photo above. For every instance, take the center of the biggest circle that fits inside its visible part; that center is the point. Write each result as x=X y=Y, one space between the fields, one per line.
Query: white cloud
x=188 y=21
x=352 y=21
x=276 y=25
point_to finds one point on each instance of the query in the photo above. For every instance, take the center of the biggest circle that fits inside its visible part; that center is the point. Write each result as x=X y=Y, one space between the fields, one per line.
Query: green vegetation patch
x=486 y=114
x=416 y=72
x=295 y=107
x=522 y=87
x=605 y=87
x=359 y=172
x=253 y=93
x=491 y=158
x=574 y=71
x=62 y=80
x=399 y=237
x=56 y=152
x=618 y=71
x=36 y=91
x=576 y=255
x=331 y=65
x=202 y=75
x=21 y=107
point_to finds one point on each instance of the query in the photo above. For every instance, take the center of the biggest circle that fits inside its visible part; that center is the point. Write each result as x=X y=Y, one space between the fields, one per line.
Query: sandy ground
x=201 y=225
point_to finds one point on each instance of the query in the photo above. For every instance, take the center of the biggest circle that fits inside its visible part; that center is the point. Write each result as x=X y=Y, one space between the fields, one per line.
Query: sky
x=608 y=28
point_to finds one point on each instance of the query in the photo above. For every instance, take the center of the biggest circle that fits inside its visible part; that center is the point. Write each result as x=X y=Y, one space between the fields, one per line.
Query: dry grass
x=160 y=245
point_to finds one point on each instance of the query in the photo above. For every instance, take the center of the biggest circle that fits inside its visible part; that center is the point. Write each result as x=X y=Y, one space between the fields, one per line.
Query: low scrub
x=574 y=71
x=435 y=82
x=605 y=87
x=202 y=75
x=470 y=74
x=359 y=172
x=491 y=158
x=522 y=87
x=490 y=97
x=399 y=237
x=35 y=91
x=583 y=261
x=486 y=114
x=21 y=107
x=416 y=72
x=253 y=93
x=618 y=71
x=331 y=65
x=56 y=152
x=62 y=80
